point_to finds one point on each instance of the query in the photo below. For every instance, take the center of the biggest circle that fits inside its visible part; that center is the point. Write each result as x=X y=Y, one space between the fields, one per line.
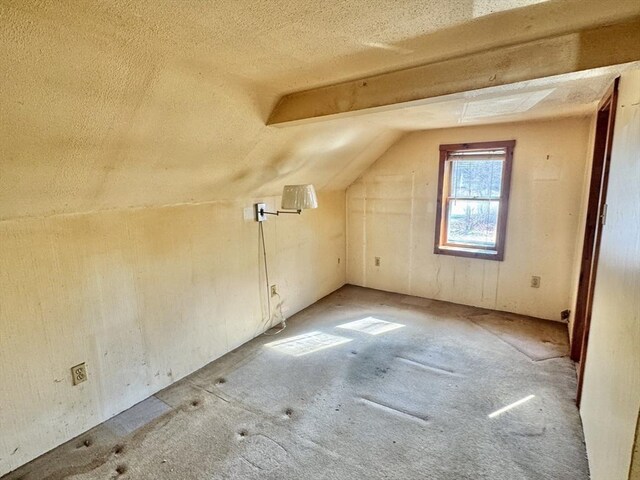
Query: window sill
x=469 y=252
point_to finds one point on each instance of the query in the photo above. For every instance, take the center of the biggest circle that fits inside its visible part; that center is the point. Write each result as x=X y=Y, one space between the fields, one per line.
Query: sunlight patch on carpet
x=510 y=406
x=307 y=343
x=371 y=325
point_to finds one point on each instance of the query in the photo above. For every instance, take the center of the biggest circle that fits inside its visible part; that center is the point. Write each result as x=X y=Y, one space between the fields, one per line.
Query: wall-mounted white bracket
x=261 y=212
x=260 y=208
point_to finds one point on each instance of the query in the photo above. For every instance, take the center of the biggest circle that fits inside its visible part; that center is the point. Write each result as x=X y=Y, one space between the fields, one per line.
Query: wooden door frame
x=596 y=211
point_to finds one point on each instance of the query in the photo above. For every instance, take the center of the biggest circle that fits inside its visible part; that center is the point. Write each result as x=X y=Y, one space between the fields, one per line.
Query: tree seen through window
x=473 y=193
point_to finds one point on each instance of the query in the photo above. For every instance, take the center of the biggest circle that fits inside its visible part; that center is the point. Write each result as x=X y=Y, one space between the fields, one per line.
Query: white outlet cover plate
x=79 y=373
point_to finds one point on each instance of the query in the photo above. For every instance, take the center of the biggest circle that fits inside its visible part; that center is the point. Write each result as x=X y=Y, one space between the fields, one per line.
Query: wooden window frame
x=440 y=246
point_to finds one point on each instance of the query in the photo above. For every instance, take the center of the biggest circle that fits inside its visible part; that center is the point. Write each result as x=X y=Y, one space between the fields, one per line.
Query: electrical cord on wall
x=270 y=316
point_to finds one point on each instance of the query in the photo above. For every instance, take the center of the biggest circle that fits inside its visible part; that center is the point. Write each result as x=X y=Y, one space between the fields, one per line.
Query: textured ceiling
x=109 y=104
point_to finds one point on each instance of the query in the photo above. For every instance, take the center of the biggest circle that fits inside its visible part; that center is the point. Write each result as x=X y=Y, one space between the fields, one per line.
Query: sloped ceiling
x=111 y=104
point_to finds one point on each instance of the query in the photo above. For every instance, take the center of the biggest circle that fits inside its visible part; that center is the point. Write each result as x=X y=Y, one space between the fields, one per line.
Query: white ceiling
x=126 y=104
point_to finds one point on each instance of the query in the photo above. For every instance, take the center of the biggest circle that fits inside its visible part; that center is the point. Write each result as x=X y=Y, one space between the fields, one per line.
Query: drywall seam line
x=135 y=208
x=411 y=220
x=347 y=223
x=495 y=298
x=364 y=235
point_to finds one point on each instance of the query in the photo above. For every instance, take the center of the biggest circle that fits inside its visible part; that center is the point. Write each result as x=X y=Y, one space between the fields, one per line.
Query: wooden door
x=596 y=219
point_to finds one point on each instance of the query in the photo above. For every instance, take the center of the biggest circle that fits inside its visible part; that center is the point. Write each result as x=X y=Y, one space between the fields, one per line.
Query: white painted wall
x=391 y=214
x=611 y=394
x=145 y=297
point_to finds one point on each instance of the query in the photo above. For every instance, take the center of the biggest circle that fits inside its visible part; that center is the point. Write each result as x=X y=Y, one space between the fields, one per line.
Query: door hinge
x=603 y=215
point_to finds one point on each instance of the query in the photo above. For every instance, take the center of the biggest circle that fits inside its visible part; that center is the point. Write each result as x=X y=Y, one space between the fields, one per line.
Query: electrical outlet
x=377 y=261
x=535 y=282
x=274 y=290
x=79 y=373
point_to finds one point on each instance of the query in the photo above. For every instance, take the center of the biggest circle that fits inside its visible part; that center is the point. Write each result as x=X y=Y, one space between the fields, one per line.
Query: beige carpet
x=361 y=385
x=551 y=338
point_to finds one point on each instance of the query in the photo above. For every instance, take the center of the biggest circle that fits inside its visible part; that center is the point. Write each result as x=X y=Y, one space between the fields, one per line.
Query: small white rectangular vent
x=506 y=105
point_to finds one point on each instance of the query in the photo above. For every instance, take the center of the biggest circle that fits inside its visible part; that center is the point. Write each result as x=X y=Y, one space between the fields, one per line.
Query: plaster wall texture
x=144 y=297
x=113 y=105
x=108 y=106
x=611 y=394
x=391 y=215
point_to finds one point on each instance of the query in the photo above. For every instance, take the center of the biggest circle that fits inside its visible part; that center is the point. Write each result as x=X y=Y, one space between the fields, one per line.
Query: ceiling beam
x=581 y=49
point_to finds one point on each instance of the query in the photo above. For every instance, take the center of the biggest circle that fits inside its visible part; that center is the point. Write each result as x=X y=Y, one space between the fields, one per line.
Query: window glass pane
x=473 y=222
x=476 y=178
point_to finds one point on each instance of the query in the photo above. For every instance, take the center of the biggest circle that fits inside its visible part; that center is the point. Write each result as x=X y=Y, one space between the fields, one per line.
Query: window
x=473 y=196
